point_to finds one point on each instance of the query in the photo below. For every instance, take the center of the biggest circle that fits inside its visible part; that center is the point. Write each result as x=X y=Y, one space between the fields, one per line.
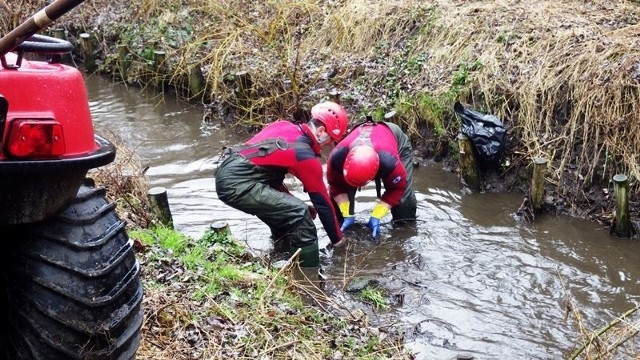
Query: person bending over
x=378 y=151
x=250 y=179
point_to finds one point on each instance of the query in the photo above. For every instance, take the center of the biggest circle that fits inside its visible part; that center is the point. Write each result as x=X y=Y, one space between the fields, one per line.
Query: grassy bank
x=208 y=298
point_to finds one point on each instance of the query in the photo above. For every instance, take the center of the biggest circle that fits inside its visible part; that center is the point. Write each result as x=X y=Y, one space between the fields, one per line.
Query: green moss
x=259 y=303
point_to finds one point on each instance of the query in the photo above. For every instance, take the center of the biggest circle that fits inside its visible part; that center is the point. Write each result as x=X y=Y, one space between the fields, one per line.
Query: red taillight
x=35 y=138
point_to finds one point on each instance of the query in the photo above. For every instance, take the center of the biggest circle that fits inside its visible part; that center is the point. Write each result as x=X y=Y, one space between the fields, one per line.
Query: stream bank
x=250 y=65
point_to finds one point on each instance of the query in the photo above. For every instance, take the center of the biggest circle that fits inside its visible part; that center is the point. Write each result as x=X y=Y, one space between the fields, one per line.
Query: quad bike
x=69 y=279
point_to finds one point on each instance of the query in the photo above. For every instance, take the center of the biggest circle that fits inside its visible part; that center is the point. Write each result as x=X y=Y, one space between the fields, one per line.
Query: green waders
x=406 y=210
x=252 y=189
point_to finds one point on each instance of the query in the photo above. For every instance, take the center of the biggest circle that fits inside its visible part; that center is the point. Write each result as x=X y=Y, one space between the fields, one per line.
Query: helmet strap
x=314 y=129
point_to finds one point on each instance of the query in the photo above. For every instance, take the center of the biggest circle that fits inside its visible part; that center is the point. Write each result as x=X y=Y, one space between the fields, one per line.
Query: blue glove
x=374 y=225
x=348 y=221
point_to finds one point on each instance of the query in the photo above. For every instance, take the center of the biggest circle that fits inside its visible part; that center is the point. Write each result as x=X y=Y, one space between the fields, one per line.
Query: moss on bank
x=208 y=298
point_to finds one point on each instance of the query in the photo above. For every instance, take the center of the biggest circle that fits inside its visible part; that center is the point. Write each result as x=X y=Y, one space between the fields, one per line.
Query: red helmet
x=333 y=117
x=361 y=165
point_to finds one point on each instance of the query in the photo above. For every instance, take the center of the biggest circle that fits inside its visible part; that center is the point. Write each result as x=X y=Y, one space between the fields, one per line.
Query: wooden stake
x=124 y=61
x=87 y=49
x=243 y=82
x=286 y=85
x=220 y=227
x=159 y=57
x=197 y=83
x=536 y=191
x=468 y=163
x=60 y=33
x=334 y=96
x=159 y=202
x=622 y=223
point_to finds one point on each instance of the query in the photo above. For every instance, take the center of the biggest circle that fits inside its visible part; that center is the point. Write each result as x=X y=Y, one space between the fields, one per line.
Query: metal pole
x=35 y=23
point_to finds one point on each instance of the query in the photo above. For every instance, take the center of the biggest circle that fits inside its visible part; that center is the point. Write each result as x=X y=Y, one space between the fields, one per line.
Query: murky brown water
x=473 y=279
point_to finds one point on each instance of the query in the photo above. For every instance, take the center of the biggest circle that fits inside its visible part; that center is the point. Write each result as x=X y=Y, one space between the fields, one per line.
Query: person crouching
x=378 y=151
x=251 y=177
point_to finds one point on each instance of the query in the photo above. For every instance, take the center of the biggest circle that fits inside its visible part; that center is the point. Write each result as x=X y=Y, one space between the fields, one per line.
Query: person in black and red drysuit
x=378 y=151
x=251 y=176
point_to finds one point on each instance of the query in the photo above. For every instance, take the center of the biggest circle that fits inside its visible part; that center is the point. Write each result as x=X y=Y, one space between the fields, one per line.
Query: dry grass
x=14 y=13
x=616 y=340
x=563 y=75
x=126 y=185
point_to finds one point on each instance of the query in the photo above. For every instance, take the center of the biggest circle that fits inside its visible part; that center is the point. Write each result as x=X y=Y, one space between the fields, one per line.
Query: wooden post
x=322 y=278
x=622 y=223
x=159 y=57
x=536 y=192
x=390 y=116
x=468 y=163
x=124 y=61
x=87 y=49
x=197 y=83
x=60 y=33
x=334 y=96
x=286 y=85
x=159 y=203
x=243 y=83
x=220 y=227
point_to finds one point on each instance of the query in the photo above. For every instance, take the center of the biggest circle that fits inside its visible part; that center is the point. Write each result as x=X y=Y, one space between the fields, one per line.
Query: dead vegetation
x=564 y=76
x=208 y=299
x=616 y=340
x=126 y=185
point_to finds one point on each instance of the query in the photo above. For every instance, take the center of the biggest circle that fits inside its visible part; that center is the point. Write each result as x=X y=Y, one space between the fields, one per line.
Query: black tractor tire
x=70 y=285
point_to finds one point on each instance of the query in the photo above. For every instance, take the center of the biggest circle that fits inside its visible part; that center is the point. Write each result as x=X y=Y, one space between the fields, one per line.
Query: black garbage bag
x=487 y=133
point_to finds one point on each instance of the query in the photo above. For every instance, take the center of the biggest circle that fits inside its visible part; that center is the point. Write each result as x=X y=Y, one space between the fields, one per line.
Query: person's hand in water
x=374 y=225
x=374 y=221
x=347 y=222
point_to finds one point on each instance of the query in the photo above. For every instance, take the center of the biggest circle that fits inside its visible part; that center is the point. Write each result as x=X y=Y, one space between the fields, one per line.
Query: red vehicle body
x=52 y=96
x=69 y=279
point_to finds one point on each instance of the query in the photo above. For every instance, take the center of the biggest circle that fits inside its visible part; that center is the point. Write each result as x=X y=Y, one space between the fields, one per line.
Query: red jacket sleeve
x=395 y=184
x=309 y=171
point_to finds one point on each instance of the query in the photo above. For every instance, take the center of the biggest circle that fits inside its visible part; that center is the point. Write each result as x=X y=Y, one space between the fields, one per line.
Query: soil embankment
x=563 y=76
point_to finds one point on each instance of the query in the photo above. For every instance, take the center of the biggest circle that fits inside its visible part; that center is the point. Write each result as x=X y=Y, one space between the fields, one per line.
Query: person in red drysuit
x=378 y=151
x=250 y=179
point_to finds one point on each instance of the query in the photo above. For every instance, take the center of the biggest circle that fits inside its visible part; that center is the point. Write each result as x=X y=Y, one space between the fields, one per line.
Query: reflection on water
x=472 y=278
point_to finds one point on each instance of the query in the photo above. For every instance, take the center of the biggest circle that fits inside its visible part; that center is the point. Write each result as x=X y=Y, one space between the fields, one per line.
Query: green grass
x=258 y=310
x=375 y=297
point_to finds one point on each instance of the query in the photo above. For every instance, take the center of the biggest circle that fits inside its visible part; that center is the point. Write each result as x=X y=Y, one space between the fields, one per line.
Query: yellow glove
x=348 y=219
x=344 y=208
x=379 y=211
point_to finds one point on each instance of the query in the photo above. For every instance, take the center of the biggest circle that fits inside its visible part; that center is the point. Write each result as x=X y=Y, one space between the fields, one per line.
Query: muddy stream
x=468 y=278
